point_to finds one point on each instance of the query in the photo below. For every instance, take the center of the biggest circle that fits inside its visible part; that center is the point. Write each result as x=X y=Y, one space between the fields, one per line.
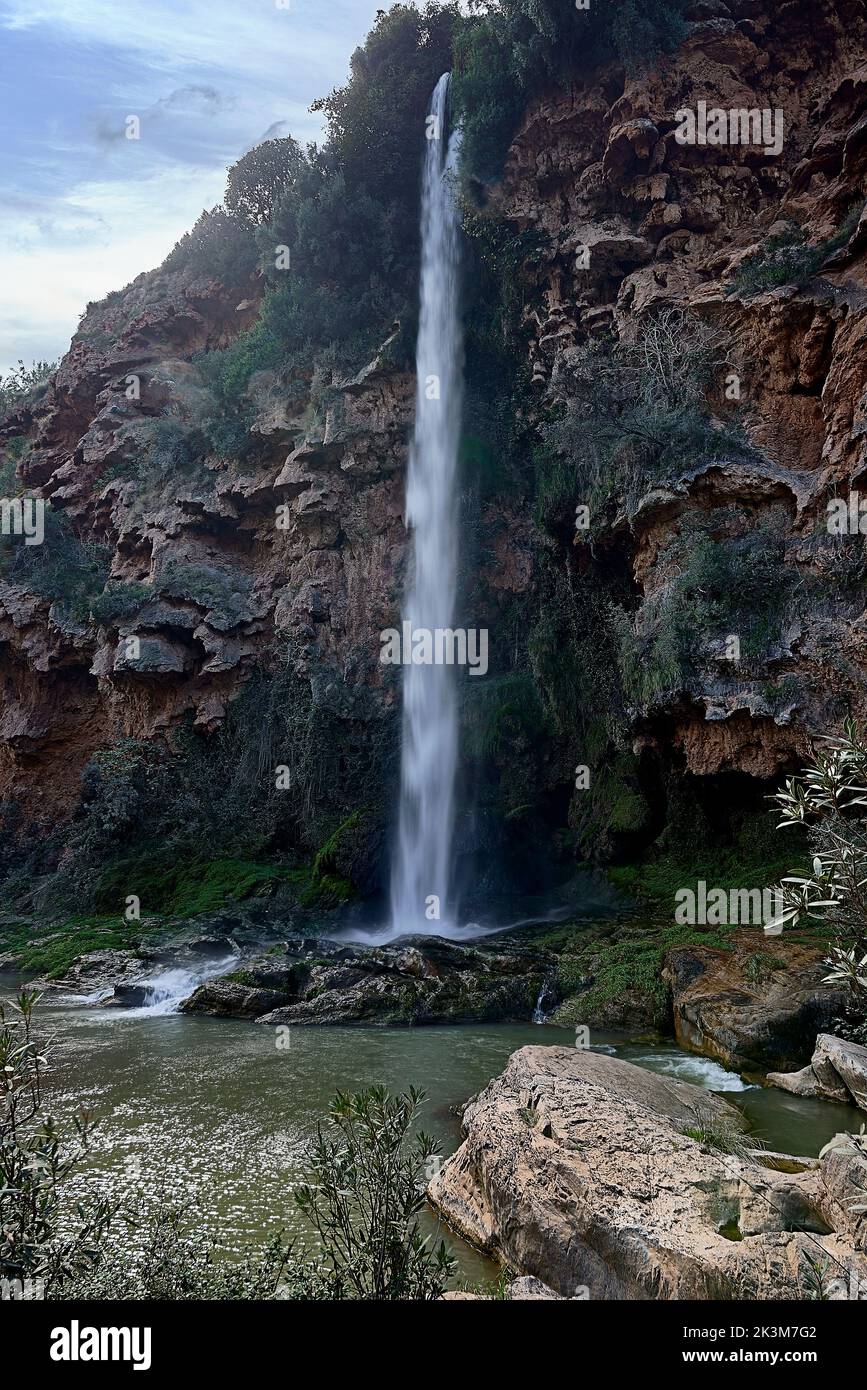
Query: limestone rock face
x=578 y=1170
x=666 y=225
x=838 y=1071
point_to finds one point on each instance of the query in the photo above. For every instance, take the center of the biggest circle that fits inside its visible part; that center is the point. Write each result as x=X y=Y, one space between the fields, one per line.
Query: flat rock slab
x=577 y=1169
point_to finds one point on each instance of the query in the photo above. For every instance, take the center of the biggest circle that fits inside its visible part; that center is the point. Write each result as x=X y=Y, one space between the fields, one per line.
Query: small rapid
x=166 y=991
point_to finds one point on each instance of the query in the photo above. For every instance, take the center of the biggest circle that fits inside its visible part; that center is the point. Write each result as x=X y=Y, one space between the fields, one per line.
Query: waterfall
x=429 y=734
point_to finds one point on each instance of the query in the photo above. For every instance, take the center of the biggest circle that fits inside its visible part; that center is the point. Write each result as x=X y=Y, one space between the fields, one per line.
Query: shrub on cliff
x=23 y=384
x=347 y=212
x=67 y=569
x=119 y=601
x=220 y=245
x=722 y=584
x=788 y=258
x=637 y=413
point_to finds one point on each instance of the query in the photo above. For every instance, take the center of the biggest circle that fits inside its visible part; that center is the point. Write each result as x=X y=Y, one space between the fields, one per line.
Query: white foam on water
x=166 y=991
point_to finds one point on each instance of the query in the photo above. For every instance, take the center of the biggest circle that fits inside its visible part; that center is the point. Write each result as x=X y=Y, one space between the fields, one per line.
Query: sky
x=83 y=209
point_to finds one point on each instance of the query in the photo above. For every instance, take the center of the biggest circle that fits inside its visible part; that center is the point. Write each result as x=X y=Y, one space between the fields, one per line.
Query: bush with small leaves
x=41 y=1239
x=366 y=1195
x=24 y=383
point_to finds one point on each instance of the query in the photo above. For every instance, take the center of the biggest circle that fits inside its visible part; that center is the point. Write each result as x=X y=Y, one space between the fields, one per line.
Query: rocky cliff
x=281 y=547
x=600 y=170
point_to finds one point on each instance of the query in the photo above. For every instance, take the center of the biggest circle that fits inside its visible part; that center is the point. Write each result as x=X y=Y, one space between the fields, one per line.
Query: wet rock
x=837 y=1071
x=230 y=999
x=759 y=1005
x=422 y=980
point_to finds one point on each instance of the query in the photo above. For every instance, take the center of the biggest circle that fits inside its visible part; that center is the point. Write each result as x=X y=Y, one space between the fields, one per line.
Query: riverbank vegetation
x=369 y=1168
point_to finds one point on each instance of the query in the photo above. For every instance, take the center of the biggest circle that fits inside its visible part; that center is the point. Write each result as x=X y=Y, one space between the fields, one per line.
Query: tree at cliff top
x=516 y=48
x=347 y=212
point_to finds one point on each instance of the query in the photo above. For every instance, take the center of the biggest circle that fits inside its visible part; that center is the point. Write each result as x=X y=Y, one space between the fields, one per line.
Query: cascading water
x=429 y=740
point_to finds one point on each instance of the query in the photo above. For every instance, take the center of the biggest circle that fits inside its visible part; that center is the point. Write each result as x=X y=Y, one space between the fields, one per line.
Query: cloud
x=276 y=131
x=50 y=275
x=83 y=209
x=194 y=100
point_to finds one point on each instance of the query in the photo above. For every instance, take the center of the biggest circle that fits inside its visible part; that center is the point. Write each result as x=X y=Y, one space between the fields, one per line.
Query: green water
x=214 y=1110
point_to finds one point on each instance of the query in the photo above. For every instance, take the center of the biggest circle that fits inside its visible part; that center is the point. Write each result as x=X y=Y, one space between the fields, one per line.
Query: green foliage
x=48 y=948
x=572 y=663
x=327 y=887
x=375 y=124
x=39 y=1240
x=599 y=975
x=202 y=820
x=496 y=439
x=221 y=246
x=721 y=585
x=226 y=597
x=24 y=384
x=365 y=1197
x=829 y=798
x=119 y=601
x=487 y=98
x=721 y=1131
x=261 y=177
x=637 y=414
x=754 y=857
x=506 y=710
x=162 y=455
x=66 y=568
x=348 y=213
x=787 y=258
x=519 y=47
x=761 y=966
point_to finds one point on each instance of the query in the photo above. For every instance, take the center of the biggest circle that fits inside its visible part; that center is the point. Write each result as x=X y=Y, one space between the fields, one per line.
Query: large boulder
x=604 y=1180
x=757 y=1006
x=838 y=1071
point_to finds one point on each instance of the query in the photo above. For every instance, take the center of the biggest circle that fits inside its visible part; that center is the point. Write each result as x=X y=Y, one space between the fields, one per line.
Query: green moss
x=326 y=891
x=757 y=855
x=242 y=977
x=626 y=968
x=761 y=966
x=324 y=886
x=656 y=881
x=50 y=949
x=186 y=889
